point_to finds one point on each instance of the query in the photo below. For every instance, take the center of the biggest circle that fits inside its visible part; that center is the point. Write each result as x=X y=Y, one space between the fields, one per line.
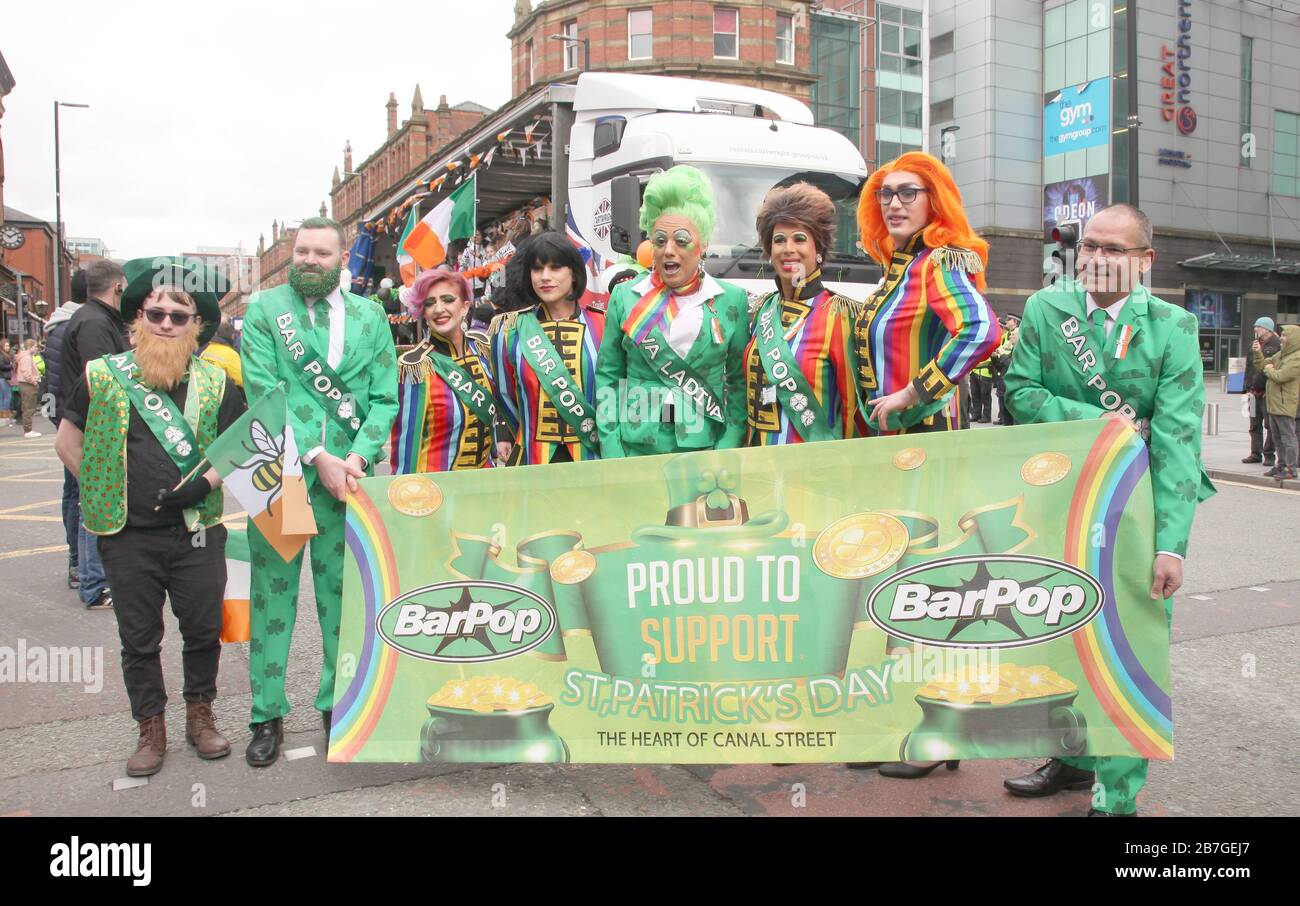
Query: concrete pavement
x=1236 y=630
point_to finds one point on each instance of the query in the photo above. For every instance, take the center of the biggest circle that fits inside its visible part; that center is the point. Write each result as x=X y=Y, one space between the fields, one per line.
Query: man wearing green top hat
x=134 y=432
x=1103 y=346
x=334 y=353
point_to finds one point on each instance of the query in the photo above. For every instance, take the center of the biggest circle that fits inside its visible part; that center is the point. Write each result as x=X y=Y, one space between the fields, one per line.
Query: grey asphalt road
x=62 y=749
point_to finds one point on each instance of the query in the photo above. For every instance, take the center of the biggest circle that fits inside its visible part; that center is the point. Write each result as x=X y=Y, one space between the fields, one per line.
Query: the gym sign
x=1007 y=601
x=1176 y=77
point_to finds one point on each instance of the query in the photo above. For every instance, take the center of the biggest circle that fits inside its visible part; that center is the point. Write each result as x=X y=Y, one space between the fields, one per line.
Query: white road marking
x=295 y=754
x=129 y=783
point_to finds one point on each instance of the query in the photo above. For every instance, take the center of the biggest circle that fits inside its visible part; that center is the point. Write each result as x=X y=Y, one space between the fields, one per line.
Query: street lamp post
x=58 y=204
x=586 y=48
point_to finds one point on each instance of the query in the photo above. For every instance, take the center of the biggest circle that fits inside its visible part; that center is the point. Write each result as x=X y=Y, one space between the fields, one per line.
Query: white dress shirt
x=686 y=324
x=334 y=355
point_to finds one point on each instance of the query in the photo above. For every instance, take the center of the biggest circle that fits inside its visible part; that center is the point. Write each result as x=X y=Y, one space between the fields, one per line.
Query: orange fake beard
x=163 y=361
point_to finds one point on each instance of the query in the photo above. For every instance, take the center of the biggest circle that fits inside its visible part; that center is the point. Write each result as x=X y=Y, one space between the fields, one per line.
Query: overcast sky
x=209 y=120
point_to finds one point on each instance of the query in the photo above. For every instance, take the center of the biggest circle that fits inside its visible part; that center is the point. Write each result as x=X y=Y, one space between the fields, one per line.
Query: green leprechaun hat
x=204 y=285
x=704 y=495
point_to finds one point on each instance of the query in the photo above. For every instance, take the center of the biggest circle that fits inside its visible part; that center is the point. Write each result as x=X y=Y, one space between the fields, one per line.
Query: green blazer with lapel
x=368 y=367
x=1158 y=374
x=629 y=414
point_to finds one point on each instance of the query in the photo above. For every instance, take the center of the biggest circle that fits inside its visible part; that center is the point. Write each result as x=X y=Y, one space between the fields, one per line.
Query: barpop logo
x=25 y=663
x=103 y=860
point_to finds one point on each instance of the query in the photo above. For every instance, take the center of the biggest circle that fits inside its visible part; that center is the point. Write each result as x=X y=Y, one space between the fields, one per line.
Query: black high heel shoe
x=901 y=770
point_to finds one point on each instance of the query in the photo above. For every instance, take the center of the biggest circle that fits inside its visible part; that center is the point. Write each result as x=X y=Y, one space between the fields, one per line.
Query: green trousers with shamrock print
x=273 y=606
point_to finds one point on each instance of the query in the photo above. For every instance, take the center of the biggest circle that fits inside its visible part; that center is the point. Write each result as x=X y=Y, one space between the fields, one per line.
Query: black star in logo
x=461 y=605
x=1004 y=614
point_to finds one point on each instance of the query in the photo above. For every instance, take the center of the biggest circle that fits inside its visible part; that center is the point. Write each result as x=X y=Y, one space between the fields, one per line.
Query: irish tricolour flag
x=235 y=619
x=451 y=219
x=258 y=463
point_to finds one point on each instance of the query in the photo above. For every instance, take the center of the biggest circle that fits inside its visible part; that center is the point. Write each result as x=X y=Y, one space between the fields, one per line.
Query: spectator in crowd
x=222 y=353
x=1282 y=398
x=1001 y=362
x=28 y=378
x=55 y=330
x=1261 y=435
x=6 y=391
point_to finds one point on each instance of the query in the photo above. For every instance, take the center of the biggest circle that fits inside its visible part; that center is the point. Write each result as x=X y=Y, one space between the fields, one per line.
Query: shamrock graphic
x=1162 y=520
x=1185 y=434
x=587 y=425
x=1029 y=333
x=173 y=434
x=1187 y=324
x=184 y=448
x=273 y=670
x=385 y=359
x=807 y=418
x=275 y=626
x=1034 y=399
x=345 y=409
x=373 y=432
x=1187 y=489
x=258 y=559
x=279 y=585
x=1158 y=457
x=255 y=646
x=1159 y=312
x=798 y=402
x=1187 y=379
x=304 y=412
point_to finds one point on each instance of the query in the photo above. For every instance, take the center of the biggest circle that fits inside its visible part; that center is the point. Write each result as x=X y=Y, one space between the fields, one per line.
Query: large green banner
x=975 y=594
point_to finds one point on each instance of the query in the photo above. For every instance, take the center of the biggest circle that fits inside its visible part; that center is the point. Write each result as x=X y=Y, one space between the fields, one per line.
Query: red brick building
x=408 y=146
x=274 y=259
x=763 y=44
x=34 y=260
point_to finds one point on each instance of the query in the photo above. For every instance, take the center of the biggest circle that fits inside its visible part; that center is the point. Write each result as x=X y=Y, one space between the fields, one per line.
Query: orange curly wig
x=948 y=224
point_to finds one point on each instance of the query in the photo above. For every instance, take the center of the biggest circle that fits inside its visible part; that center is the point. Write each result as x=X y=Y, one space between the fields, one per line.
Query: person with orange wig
x=927 y=324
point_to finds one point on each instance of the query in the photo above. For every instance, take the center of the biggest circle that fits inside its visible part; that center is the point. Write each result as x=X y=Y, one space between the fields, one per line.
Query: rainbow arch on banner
x=358 y=711
x=1135 y=703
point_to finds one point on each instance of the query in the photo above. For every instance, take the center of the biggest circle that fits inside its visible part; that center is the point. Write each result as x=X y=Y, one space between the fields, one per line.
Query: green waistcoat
x=103 y=466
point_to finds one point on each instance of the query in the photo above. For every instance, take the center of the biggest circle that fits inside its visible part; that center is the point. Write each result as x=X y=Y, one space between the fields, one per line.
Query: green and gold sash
x=557 y=382
x=792 y=390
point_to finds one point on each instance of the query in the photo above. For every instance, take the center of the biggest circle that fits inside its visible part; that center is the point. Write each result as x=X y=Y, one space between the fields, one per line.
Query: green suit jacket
x=368 y=367
x=1159 y=375
x=629 y=415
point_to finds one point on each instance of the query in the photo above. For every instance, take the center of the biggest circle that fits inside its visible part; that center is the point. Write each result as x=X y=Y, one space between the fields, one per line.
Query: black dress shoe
x=1051 y=778
x=265 y=747
x=1093 y=813
x=901 y=770
x=325 y=718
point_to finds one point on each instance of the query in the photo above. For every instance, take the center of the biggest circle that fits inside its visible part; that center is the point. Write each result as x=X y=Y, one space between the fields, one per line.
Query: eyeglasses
x=1088 y=247
x=905 y=194
x=158 y=315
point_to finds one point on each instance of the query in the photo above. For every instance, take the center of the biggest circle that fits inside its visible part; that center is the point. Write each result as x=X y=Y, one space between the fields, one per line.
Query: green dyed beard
x=313 y=284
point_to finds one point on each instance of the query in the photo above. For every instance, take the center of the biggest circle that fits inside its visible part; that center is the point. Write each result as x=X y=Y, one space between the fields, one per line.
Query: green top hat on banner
x=203 y=284
x=704 y=495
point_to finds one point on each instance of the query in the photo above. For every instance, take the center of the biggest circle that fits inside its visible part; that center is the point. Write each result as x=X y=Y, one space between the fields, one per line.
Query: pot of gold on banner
x=1002 y=711
x=490 y=719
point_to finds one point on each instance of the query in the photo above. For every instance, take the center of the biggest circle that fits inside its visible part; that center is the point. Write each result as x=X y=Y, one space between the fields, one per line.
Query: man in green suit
x=334 y=353
x=1103 y=346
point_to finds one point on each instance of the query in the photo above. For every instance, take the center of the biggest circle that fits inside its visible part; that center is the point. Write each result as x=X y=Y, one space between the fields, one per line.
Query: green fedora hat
x=203 y=284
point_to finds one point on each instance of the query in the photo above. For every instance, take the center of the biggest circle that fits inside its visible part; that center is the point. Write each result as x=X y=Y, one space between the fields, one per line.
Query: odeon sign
x=1176 y=81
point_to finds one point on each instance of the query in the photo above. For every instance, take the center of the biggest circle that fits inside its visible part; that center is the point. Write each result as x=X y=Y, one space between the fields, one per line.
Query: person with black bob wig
x=546 y=414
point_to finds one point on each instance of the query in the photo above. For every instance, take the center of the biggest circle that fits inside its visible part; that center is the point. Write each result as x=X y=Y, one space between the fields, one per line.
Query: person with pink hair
x=445 y=395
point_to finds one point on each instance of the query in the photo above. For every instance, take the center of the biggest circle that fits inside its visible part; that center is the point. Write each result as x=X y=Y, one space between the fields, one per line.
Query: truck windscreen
x=745 y=187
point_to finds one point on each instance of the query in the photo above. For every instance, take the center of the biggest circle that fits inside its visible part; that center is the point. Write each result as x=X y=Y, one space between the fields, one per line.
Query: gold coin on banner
x=909 y=459
x=860 y=545
x=1045 y=468
x=414 y=495
x=573 y=567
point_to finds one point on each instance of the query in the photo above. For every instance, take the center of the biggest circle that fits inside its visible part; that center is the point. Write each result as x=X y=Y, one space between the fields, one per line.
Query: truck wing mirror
x=625 y=228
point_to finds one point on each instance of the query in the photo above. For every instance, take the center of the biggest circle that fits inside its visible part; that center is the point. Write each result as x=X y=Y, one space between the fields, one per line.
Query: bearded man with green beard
x=334 y=353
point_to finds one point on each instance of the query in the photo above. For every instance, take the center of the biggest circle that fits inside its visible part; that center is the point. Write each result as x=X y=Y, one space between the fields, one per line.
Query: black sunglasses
x=157 y=316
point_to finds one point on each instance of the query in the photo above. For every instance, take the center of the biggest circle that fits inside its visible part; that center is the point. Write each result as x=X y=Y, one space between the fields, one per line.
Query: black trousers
x=981 y=398
x=1261 y=436
x=143 y=567
x=1004 y=414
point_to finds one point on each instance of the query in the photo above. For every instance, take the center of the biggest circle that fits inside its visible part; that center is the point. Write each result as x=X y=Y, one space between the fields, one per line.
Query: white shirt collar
x=335 y=300
x=1112 y=313
x=709 y=289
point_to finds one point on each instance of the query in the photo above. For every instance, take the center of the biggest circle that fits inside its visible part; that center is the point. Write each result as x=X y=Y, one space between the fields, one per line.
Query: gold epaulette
x=502 y=322
x=843 y=305
x=950 y=257
x=482 y=342
x=413 y=365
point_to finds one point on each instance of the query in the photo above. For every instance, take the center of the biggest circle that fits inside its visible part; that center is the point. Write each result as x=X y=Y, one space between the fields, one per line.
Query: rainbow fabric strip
x=1135 y=703
x=658 y=305
x=357 y=711
x=429 y=427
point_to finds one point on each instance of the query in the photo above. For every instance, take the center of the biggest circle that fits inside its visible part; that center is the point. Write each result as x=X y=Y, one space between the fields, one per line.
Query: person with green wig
x=670 y=376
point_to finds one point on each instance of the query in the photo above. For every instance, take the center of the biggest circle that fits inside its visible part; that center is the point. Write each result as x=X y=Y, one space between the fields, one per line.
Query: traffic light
x=1058 y=245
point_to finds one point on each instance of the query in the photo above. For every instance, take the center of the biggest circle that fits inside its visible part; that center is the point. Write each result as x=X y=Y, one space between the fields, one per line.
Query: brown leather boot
x=148 y=757
x=201 y=731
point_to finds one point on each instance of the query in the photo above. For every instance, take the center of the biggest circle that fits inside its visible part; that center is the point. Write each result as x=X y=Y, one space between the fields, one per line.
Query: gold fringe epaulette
x=502 y=322
x=413 y=366
x=843 y=305
x=950 y=257
x=482 y=342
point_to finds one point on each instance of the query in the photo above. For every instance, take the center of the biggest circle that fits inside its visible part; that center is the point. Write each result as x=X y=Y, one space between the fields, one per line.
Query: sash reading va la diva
x=674 y=371
x=1071 y=332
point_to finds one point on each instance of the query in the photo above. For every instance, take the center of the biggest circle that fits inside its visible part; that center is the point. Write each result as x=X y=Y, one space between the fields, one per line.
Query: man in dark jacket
x=55 y=330
x=95 y=330
x=1261 y=444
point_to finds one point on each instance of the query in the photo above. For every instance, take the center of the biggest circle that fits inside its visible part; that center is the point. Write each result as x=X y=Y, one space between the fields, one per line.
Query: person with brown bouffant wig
x=927 y=324
x=803 y=325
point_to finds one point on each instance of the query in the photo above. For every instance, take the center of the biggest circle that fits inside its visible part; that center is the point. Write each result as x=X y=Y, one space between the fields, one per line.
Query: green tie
x=321 y=330
x=1097 y=330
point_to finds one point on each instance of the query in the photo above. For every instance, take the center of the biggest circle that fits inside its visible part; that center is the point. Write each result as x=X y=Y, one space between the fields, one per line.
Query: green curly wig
x=683 y=192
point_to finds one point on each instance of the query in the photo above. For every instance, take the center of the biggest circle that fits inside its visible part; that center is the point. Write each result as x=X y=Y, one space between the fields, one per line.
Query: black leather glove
x=188 y=495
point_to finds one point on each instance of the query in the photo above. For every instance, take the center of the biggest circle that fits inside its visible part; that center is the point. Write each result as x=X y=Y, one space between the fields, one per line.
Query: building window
x=726 y=33
x=900 y=40
x=1286 y=153
x=941 y=44
x=640 y=35
x=531 y=76
x=784 y=38
x=570 y=31
x=1247 y=74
